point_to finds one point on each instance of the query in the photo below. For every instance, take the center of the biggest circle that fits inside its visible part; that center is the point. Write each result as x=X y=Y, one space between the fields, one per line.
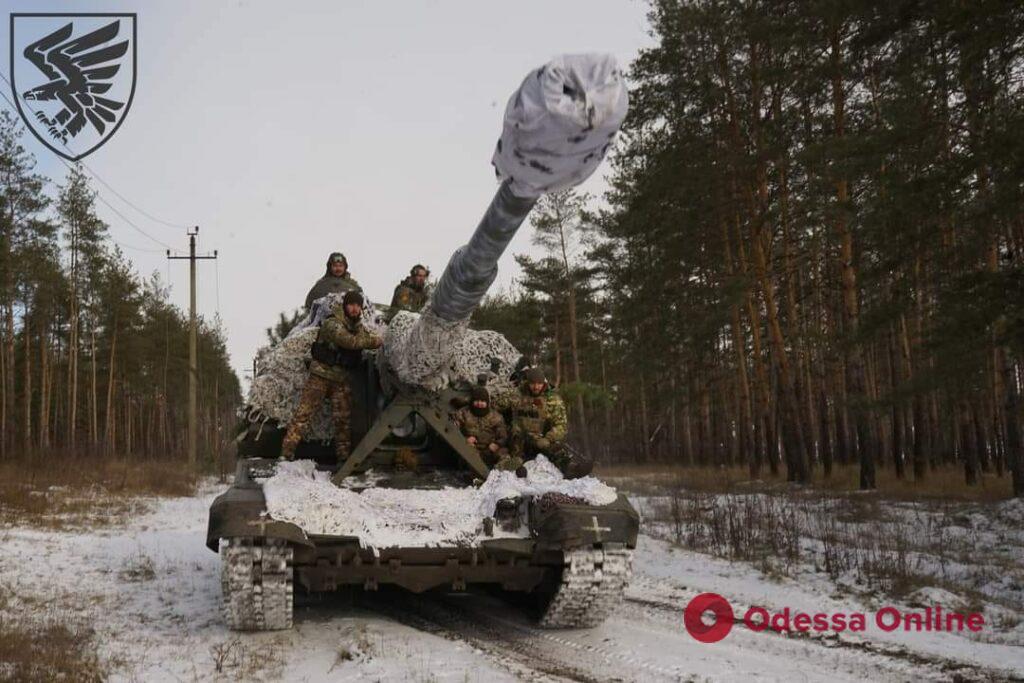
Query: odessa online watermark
x=709 y=617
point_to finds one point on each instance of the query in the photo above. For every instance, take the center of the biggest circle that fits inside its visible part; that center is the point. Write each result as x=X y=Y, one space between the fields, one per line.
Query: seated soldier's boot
x=406 y=461
x=574 y=465
x=342 y=449
x=508 y=463
x=288 y=447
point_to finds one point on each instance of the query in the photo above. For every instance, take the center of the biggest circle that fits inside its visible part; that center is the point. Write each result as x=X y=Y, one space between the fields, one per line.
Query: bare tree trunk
x=44 y=390
x=969 y=450
x=1011 y=412
x=855 y=364
x=897 y=407
x=645 y=427
x=607 y=403
x=558 y=353
x=94 y=432
x=108 y=437
x=72 y=414
x=763 y=426
x=746 y=447
x=27 y=406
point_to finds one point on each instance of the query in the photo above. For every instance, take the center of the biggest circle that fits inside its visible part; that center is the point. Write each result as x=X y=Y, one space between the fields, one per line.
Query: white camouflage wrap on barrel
x=560 y=123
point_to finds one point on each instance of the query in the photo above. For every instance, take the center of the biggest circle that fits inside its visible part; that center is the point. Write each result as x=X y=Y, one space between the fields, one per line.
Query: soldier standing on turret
x=486 y=431
x=339 y=346
x=336 y=280
x=411 y=293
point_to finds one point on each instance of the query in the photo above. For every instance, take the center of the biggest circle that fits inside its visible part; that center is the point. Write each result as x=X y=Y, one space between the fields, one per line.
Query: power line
x=216 y=286
x=97 y=175
x=98 y=195
x=128 y=246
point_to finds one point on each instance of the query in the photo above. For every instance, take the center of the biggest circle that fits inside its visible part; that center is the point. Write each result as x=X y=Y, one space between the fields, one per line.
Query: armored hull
x=573 y=559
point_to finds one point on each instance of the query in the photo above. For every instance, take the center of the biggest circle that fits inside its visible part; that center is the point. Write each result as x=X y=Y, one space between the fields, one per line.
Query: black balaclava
x=479 y=394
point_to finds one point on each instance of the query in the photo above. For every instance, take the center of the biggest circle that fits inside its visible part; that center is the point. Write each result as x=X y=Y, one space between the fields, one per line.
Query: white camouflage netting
x=385 y=517
x=282 y=368
x=447 y=352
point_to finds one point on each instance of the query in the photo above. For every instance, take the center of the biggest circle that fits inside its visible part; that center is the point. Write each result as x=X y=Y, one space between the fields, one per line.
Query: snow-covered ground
x=151 y=590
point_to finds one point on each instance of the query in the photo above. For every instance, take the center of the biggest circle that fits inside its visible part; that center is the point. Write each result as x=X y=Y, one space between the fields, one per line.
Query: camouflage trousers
x=318 y=389
x=572 y=464
x=500 y=459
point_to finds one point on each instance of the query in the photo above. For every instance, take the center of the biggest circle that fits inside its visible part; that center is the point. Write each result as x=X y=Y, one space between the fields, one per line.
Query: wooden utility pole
x=193 y=342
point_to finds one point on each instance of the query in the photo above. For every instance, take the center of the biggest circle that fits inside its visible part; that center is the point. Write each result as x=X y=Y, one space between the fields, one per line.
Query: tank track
x=256 y=581
x=592 y=584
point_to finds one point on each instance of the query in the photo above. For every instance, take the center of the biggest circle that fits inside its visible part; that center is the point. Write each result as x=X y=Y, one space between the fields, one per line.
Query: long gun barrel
x=472 y=268
x=558 y=126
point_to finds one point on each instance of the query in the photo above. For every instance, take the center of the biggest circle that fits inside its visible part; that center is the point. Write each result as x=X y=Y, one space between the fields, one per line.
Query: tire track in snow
x=430 y=615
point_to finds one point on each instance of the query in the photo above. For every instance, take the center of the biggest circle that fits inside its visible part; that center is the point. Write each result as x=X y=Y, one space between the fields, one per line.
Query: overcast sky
x=287 y=130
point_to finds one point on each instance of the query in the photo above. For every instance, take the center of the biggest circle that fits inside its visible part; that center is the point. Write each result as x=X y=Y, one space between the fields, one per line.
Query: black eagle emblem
x=80 y=71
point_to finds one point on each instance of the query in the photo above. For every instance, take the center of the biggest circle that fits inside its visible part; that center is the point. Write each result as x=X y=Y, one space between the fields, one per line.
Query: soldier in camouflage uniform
x=539 y=421
x=411 y=293
x=339 y=346
x=336 y=279
x=486 y=431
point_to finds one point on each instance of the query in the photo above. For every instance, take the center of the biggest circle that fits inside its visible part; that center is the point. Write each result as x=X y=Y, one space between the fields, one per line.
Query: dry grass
x=356 y=646
x=865 y=543
x=69 y=492
x=249 y=659
x=47 y=652
x=44 y=648
x=944 y=483
x=138 y=568
x=772 y=531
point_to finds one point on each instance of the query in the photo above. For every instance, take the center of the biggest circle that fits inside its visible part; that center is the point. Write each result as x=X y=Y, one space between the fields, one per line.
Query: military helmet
x=335 y=257
x=479 y=394
x=419 y=266
x=535 y=376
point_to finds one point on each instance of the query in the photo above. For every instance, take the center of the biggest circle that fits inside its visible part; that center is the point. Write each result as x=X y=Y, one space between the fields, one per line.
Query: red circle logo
x=701 y=605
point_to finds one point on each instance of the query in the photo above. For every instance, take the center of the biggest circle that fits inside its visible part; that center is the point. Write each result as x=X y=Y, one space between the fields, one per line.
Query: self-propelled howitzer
x=565 y=543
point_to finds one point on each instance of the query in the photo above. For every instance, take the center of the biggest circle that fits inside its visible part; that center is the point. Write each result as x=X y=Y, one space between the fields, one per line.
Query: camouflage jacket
x=408 y=298
x=487 y=429
x=539 y=416
x=342 y=333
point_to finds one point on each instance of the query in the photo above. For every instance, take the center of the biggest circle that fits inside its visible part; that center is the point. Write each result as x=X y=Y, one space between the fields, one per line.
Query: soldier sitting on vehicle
x=486 y=431
x=339 y=346
x=336 y=280
x=411 y=293
x=540 y=423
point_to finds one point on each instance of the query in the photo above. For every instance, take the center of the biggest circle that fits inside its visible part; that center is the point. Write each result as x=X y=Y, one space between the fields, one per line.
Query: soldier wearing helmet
x=538 y=420
x=337 y=279
x=411 y=293
x=338 y=348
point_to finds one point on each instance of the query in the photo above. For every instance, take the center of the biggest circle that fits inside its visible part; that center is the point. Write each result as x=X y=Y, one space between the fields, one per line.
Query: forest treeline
x=812 y=252
x=93 y=358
